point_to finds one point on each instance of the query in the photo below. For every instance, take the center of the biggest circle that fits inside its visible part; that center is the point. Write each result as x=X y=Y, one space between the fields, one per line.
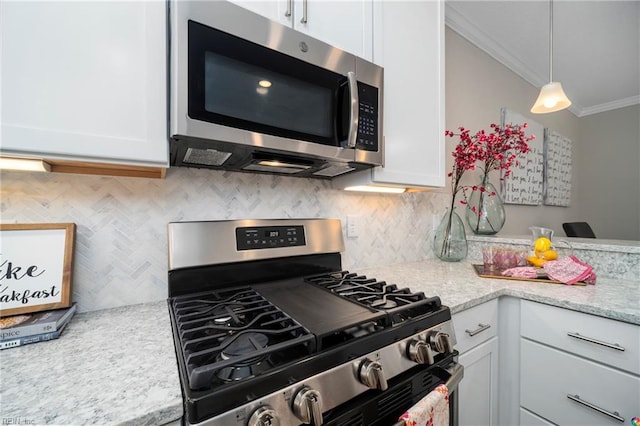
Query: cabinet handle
x=480 y=329
x=614 y=415
x=304 y=12
x=597 y=342
x=287 y=12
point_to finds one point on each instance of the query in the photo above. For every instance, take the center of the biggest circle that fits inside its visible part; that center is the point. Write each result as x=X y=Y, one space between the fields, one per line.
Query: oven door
x=377 y=408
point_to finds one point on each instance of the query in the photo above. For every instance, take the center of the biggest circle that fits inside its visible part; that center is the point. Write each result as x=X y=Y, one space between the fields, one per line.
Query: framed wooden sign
x=36 y=263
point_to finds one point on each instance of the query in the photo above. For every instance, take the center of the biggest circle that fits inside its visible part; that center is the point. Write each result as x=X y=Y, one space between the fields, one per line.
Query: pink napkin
x=521 y=272
x=432 y=410
x=569 y=270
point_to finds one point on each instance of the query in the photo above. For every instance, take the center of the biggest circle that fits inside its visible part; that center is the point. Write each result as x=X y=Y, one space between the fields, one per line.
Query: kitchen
x=121 y=239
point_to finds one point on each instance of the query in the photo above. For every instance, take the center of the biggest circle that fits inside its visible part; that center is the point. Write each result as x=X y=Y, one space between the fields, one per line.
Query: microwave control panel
x=368 y=121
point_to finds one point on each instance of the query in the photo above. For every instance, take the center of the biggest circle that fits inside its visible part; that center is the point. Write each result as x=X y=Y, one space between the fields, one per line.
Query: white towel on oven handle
x=432 y=410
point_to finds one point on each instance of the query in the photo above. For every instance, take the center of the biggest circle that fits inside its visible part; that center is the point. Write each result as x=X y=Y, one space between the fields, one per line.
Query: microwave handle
x=355 y=109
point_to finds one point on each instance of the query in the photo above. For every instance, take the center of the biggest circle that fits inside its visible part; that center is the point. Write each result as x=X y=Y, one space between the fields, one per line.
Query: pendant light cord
x=550 y=41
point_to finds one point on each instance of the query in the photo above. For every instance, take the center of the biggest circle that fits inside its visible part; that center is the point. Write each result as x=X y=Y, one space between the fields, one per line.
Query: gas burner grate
x=234 y=334
x=400 y=303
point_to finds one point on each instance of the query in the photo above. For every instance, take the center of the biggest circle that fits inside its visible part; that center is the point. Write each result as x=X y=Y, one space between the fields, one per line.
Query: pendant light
x=552 y=97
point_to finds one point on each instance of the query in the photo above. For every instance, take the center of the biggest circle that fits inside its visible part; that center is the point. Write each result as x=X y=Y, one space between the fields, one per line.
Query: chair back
x=578 y=229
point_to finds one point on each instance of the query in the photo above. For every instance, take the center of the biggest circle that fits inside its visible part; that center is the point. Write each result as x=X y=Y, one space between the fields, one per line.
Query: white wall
x=477 y=86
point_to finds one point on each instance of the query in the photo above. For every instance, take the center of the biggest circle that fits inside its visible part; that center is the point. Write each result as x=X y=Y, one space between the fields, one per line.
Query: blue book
x=26 y=325
x=21 y=341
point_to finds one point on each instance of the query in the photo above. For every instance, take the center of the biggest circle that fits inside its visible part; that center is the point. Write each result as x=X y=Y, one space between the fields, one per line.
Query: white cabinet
x=478 y=391
x=347 y=24
x=477 y=342
x=569 y=380
x=85 y=81
x=409 y=44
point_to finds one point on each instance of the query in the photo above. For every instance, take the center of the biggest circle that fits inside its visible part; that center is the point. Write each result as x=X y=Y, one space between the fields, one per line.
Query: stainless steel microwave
x=249 y=94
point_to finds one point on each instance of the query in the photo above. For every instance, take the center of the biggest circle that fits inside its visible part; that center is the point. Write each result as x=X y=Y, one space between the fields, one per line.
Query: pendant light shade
x=551 y=98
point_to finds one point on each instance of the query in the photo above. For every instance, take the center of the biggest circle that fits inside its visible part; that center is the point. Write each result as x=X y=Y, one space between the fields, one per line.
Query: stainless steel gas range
x=269 y=330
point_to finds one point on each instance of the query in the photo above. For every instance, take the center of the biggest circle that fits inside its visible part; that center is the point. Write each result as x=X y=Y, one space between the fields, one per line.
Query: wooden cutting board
x=497 y=274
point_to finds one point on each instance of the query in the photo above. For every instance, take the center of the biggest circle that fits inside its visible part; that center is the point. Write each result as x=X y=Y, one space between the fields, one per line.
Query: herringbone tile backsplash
x=121 y=239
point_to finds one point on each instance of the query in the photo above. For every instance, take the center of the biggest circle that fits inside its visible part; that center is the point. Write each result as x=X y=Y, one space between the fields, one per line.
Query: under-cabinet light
x=26 y=164
x=375 y=188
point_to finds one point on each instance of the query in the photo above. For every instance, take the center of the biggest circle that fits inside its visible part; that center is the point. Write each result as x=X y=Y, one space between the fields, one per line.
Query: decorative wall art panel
x=525 y=183
x=557 y=169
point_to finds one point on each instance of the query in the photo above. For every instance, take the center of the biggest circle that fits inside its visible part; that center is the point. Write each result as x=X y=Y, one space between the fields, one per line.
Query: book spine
x=29 y=330
x=30 y=339
x=38 y=328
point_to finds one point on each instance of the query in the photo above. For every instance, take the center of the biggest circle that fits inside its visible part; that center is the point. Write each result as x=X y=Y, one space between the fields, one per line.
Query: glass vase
x=485 y=210
x=450 y=241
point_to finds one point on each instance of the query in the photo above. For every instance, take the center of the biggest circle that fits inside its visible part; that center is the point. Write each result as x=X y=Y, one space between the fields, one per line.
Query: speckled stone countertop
x=460 y=288
x=111 y=367
x=118 y=366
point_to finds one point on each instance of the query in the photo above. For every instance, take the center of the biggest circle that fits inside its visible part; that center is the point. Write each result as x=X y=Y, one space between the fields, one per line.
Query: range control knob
x=264 y=416
x=418 y=351
x=307 y=406
x=440 y=342
x=370 y=374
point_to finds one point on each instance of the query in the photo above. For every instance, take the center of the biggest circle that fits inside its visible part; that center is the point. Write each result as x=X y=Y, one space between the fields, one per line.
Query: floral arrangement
x=497 y=149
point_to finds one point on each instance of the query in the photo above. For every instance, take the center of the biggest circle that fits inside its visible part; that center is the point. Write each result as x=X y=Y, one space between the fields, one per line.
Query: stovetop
x=250 y=321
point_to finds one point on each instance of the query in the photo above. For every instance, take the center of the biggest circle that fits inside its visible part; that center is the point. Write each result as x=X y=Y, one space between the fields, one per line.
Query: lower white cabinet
x=590 y=379
x=478 y=391
x=527 y=418
x=477 y=341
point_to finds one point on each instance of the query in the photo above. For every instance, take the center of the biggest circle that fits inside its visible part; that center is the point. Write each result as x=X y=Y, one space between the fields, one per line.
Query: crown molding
x=475 y=35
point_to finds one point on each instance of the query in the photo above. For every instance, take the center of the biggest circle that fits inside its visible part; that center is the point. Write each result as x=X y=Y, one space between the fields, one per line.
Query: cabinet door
x=345 y=24
x=85 y=81
x=277 y=10
x=478 y=391
x=410 y=46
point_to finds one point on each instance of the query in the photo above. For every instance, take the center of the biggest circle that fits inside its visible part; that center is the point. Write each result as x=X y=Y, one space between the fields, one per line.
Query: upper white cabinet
x=409 y=44
x=85 y=81
x=344 y=24
x=410 y=47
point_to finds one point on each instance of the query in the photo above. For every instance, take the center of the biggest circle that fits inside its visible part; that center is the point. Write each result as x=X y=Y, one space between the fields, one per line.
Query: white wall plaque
x=524 y=185
x=557 y=169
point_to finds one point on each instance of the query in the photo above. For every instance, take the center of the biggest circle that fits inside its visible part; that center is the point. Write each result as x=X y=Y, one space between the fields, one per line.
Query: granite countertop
x=118 y=366
x=460 y=288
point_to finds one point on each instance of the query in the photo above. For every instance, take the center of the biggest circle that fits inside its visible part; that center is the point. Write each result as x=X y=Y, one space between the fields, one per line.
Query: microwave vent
x=335 y=170
x=207 y=157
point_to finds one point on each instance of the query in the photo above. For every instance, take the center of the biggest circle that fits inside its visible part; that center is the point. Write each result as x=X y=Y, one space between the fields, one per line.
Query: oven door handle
x=457 y=373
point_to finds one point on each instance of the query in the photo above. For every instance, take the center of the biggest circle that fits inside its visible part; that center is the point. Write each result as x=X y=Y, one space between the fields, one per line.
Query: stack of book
x=36 y=327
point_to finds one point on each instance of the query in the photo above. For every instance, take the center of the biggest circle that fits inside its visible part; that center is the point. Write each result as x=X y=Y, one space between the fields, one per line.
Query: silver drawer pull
x=614 y=415
x=480 y=329
x=597 y=342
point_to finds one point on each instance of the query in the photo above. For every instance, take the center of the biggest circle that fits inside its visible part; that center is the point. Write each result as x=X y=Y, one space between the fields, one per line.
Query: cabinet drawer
x=475 y=325
x=529 y=419
x=548 y=376
x=603 y=340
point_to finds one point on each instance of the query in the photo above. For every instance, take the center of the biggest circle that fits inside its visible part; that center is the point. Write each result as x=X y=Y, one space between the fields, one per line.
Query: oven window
x=237 y=83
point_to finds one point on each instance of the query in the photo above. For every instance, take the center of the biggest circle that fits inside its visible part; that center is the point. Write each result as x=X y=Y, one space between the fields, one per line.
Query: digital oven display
x=264 y=237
